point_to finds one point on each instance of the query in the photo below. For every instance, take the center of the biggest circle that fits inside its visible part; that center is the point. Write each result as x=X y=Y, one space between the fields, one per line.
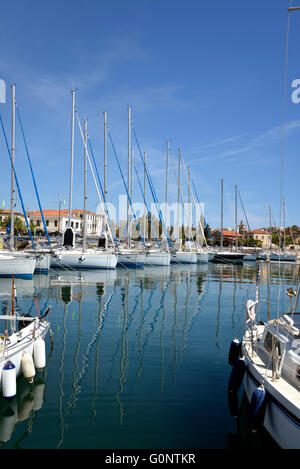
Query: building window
x=77 y=224
x=55 y=223
x=38 y=222
x=47 y=222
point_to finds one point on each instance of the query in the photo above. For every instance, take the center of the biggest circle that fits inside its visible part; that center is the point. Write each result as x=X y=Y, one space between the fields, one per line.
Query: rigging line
x=244 y=210
x=17 y=183
x=149 y=214
x=93 y=174
x=152 y=190
x=133 y=212
x=31 y=170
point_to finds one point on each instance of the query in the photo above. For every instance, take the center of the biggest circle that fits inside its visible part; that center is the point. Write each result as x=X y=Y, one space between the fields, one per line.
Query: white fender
x=39 y=353
x=28 y=366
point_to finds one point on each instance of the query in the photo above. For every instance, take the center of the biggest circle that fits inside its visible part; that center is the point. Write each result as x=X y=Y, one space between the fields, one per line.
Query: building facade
x=57 y=220
x=260 y=235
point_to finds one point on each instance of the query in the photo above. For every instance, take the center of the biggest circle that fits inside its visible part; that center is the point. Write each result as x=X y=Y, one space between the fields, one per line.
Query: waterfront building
x=57 y=221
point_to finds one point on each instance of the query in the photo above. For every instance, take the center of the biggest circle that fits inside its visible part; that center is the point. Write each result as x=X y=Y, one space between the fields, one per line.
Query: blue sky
x=207 y=76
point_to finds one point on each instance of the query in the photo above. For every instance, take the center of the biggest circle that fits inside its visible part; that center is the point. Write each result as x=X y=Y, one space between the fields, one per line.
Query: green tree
x=19 y=225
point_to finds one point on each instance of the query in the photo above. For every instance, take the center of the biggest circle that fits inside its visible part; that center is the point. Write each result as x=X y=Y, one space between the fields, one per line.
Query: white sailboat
x=282 y=255
x=11 y=262
x=188 y=255
x=160 y=255
x=23 y=350
x=68 y=256
x=129 y=257
x=268 y=361
x=226 y=256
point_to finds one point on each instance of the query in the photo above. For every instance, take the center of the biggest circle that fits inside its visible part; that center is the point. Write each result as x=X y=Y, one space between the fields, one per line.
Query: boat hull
x=282 y=257
x=279 y=422
x=17 y=266
x=202 y=257
x=229 y=257
x=131 y=260
x=78 y=260
x=250 y=258
x=158 y=258
x=184 y=258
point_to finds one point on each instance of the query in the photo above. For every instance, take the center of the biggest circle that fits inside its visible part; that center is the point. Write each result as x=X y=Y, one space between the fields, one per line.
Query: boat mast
x=105 y=156
x=221 y=243
x=189 y=200
x=12 y=200
x=283 y=204
x=85 y=187
x=236 y=234
x=270 y=247
x=131 y=186
x=128 y=173
x=145 y=233
x=178 y=195
x=167 y=173
x=72 y=157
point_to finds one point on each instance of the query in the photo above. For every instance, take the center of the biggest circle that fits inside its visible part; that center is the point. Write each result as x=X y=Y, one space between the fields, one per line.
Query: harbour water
x=140 y=357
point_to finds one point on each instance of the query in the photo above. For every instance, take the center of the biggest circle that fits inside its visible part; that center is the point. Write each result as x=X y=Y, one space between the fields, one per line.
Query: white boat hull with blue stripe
x=272 y=357
x=131 y=259
x=17 y=266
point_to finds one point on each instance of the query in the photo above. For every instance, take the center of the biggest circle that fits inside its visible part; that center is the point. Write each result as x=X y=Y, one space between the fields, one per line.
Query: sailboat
x=23 y=350
x=128 y=256
x=267 y=360
x=11 y=262
x=226 y=256
x=282 y=255
x=159 y=256
x=68 y=256
x=203 y=255
x=188 y=255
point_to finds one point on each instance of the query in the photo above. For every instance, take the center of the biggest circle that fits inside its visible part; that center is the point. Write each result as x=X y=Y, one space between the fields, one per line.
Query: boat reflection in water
x=244 y=437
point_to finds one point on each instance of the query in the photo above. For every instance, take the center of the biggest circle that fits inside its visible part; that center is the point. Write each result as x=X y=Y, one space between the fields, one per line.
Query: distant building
x=259 y=235
x=57 y=221
x=228 y=237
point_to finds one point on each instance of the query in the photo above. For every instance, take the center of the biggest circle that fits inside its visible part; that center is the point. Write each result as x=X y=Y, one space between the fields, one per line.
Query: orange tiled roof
x=258 y=231
x=228 y=233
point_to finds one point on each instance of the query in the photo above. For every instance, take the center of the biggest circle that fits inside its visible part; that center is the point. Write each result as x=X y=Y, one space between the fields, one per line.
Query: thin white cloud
x=264 y=139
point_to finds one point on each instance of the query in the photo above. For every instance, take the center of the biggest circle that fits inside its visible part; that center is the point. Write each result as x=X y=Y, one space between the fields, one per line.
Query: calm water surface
x=139 y=357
